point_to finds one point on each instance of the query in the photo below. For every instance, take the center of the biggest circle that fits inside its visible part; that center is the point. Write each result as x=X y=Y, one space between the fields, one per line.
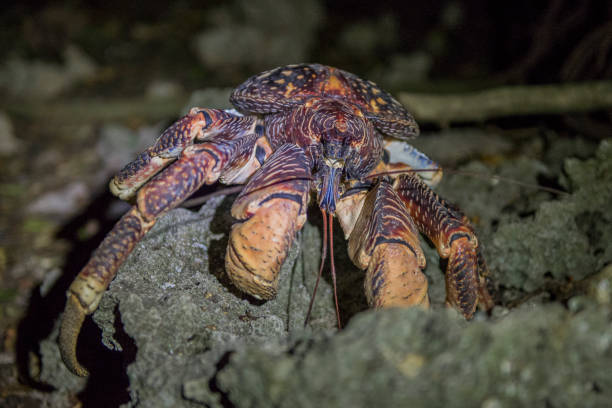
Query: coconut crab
x=300 y=129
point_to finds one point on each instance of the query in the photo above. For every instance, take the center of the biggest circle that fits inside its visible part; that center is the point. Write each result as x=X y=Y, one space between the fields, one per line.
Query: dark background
x=517 y=42
x=54 y=208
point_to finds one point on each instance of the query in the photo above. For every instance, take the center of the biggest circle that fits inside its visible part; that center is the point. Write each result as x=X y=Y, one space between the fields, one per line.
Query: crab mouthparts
x=330 y=185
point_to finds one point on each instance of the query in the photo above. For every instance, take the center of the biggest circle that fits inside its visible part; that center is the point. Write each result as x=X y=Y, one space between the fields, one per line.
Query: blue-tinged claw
x=401 y=152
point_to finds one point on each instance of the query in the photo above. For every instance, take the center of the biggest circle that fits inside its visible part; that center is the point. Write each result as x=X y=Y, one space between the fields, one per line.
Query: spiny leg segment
x=455 y=240
x=229 y=151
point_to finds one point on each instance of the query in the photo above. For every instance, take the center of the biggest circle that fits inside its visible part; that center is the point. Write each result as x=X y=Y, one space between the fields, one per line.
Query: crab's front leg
x=454 y=239
x=270 y=209
x=229 y=150
x=384 y=240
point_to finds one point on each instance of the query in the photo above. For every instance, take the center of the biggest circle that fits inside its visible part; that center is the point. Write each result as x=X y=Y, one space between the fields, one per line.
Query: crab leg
x=384 y=240
x=230 y=152
x=271 y=209
x=197 y=126
x=454 y=239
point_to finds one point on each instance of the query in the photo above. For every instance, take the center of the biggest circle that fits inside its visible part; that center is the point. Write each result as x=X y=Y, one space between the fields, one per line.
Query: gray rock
x=408 y=357
x=599 y=288
x=62 y=203
x=119 y=144
x=163 y=89
x=368 y=39
x=176 y=303
x=214 y=98
x=9 y=144
x=452 y=146
x=490 y=196
x=404 y=70
x=258 y=34
x=200 y=342
x=566 y=238
x=44 y=80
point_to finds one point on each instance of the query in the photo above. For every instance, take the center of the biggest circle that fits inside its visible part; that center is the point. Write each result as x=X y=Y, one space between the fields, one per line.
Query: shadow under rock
x=107 y=384
x=221 y=223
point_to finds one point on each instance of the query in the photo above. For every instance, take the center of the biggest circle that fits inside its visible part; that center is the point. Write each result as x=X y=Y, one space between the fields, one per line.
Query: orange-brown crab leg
x=384 y=240
x=197 y=126
x=231 y=151
x=272 y=208
x=454 y=239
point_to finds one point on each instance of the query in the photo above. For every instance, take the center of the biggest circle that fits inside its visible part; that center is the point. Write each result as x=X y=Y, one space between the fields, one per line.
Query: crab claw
x=73 y=318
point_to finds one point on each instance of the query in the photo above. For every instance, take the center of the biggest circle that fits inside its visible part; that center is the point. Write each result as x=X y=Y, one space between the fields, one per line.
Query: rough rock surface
x=260 y=34
x=196 y=341
x=533 y=357
x=568 y=238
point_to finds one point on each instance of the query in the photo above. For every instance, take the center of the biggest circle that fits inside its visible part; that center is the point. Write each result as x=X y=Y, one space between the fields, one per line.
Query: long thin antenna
x=494 y=178
x=333 y=268
x=323 y=256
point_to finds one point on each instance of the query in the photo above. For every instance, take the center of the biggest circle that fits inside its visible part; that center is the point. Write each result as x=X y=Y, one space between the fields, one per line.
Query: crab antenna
x=333 y=268
x=491 y=177
x=323 y=256
x=402 y=171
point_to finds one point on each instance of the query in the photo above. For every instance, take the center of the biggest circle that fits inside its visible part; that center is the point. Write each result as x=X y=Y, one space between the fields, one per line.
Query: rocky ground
x=172 y=331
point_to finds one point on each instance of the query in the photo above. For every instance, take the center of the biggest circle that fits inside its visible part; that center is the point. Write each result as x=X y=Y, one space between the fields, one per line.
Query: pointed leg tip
x=73 y=318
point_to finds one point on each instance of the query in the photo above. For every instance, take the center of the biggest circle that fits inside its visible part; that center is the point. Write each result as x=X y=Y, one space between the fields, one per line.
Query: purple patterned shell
x=292 y=85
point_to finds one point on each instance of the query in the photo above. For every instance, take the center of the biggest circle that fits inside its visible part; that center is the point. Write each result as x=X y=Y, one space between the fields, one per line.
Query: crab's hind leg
x=455 y=240
x=230 y=153
x=270 y=209
x=384 y=240
x=86 y=290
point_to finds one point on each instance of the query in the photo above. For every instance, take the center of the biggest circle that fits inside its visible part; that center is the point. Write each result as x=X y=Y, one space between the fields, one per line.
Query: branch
x=509 y=101
x=431 y=108
x=78 y=111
